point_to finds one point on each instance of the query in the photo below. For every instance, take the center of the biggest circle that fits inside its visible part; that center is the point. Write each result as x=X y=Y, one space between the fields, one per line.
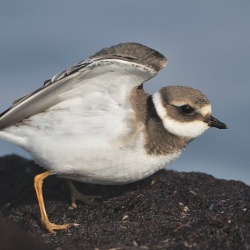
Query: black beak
x=213 y=122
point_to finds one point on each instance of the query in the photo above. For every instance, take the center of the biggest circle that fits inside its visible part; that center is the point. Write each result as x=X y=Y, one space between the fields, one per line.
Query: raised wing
x=129 y=64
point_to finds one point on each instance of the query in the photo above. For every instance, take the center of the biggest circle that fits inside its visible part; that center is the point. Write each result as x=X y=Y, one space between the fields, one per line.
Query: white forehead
x=206 y=110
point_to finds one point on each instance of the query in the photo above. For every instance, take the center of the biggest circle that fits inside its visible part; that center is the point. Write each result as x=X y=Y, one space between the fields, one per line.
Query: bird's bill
x=213 y=122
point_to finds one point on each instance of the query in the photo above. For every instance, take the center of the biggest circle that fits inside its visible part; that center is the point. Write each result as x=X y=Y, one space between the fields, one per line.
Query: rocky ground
x=169 y=210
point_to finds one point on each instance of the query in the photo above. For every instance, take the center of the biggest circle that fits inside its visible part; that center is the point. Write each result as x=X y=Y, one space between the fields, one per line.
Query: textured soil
x=169 y=210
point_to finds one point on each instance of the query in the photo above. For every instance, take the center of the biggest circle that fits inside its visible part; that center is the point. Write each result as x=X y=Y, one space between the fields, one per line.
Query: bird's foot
x=76 y=195
x=88 y=199
x=51 y=226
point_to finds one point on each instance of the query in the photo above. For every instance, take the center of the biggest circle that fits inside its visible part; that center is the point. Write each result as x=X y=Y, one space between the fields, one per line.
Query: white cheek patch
x=186 y=129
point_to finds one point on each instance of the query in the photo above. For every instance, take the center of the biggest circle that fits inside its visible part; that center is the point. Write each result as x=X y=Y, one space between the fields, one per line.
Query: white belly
x=109 y=164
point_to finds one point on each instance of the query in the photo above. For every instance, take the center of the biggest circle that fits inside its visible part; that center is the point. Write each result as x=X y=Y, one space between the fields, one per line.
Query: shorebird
x=94 y=123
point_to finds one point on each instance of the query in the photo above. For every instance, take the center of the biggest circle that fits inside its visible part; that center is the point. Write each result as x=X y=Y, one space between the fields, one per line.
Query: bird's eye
x=186 y=109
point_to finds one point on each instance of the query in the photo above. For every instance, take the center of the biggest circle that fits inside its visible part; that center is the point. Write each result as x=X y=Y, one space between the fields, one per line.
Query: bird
x=95 y=123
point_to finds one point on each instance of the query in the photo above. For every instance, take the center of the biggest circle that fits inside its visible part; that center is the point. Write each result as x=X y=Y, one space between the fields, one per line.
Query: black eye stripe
x=186 y=109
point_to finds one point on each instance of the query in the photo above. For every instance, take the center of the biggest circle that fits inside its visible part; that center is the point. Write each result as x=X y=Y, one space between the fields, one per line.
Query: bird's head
x=184 y=111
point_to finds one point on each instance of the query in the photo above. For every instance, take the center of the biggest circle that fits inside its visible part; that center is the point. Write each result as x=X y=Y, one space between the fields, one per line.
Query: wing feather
x=128 y=63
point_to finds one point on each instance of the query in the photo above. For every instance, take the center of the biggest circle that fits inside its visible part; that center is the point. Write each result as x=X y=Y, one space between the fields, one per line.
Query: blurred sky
x=207 y=44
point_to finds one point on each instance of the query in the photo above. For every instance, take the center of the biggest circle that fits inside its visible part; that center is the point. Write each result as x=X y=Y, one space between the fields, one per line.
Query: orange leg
x=76 y=195
x=38 y=183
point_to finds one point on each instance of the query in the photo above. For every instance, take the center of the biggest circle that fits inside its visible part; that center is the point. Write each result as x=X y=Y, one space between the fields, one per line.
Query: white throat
x=184 y=129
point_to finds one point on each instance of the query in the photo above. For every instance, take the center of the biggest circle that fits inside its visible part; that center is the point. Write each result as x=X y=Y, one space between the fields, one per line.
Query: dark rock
x=168 y=210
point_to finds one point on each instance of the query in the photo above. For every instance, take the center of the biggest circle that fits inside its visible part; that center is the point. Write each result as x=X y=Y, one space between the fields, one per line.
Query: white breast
x=103 y=163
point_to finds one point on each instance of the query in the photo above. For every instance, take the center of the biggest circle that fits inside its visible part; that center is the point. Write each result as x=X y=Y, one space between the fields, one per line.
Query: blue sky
x=206 y=43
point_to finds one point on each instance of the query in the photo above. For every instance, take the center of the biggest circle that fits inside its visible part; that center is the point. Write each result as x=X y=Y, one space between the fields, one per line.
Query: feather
x=110 y=71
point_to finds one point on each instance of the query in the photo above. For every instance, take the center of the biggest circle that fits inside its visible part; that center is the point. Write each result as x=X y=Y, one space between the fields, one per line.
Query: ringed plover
x=94 y=123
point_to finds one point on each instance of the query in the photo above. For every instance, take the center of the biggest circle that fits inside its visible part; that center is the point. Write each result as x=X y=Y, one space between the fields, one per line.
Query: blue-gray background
x=207 y=44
